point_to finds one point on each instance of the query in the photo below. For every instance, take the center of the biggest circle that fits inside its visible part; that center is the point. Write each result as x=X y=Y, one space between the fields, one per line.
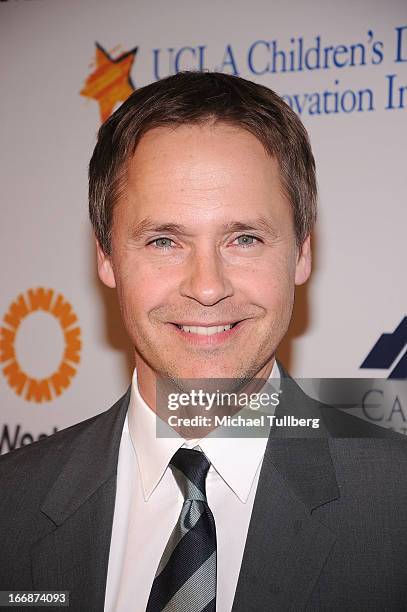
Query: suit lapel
x=287 y=546
x=74 y=554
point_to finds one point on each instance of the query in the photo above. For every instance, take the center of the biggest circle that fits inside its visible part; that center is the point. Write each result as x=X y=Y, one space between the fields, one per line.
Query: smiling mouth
x=206 y=330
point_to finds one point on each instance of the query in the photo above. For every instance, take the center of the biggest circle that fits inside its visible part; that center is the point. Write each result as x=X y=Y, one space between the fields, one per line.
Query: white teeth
x=205 y=331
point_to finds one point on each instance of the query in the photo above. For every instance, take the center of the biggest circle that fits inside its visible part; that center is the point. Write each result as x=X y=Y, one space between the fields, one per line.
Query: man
x=203 y=198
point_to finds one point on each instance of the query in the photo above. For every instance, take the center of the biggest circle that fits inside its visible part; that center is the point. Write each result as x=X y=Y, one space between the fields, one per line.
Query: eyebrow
x=148 y=226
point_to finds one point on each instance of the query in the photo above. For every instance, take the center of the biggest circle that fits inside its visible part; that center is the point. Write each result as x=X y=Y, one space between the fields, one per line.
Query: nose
x=205 y=279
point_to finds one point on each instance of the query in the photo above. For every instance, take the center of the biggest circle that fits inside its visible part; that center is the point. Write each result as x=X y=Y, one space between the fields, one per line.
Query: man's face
x=204 y=237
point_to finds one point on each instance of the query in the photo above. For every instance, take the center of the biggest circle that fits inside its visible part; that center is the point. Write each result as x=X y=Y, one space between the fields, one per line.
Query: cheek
x=274 y=298
x=141 y=289
x=270 y=282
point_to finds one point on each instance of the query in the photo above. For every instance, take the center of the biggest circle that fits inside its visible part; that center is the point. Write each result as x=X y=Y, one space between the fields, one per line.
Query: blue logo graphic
x=387 y=349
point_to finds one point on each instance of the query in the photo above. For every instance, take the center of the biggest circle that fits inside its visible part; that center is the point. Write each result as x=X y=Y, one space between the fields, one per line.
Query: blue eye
x=161 y=243
x=248 y=240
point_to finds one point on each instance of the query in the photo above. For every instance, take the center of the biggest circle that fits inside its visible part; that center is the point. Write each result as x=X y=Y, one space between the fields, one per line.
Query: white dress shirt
x=148 y=503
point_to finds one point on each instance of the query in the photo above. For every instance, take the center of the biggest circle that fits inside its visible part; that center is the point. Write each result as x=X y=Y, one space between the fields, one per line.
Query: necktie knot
x=190 y=468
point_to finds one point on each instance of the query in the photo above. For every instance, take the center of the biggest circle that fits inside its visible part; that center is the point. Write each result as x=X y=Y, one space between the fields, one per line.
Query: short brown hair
x=194 y=98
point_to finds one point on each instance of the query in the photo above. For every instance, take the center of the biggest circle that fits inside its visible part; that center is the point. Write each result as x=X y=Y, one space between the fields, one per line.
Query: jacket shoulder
x=60 y=466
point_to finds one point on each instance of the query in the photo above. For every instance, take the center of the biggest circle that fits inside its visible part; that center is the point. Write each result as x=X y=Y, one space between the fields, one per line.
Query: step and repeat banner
x=67 y=65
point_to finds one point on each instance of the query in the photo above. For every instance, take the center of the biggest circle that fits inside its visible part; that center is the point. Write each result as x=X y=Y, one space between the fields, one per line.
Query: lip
x=209 y=341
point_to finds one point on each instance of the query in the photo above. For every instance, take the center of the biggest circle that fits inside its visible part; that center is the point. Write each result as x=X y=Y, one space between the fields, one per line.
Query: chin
x=208 y=371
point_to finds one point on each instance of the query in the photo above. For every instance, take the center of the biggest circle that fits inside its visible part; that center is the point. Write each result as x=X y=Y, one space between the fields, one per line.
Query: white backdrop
x=345 y=73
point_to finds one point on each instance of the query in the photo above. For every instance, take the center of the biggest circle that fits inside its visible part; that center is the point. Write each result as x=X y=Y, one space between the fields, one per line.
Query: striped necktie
x=185 y=580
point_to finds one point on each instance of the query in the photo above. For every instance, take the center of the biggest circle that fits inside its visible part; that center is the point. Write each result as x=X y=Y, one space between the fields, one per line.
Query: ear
x=303 y=265
x=105 y=268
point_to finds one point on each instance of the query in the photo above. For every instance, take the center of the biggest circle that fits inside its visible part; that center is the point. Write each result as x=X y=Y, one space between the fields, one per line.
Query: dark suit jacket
x=328 y=529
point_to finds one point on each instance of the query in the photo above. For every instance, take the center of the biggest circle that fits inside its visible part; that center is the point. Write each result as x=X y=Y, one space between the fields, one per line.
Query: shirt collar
x=236 y=460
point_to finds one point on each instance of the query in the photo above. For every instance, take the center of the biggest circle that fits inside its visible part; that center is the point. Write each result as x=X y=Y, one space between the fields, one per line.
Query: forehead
x=201 y=168
x=200 y=137
x=198 y=151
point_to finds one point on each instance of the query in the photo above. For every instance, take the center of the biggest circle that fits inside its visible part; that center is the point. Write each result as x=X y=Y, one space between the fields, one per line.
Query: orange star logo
x=110 y=81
